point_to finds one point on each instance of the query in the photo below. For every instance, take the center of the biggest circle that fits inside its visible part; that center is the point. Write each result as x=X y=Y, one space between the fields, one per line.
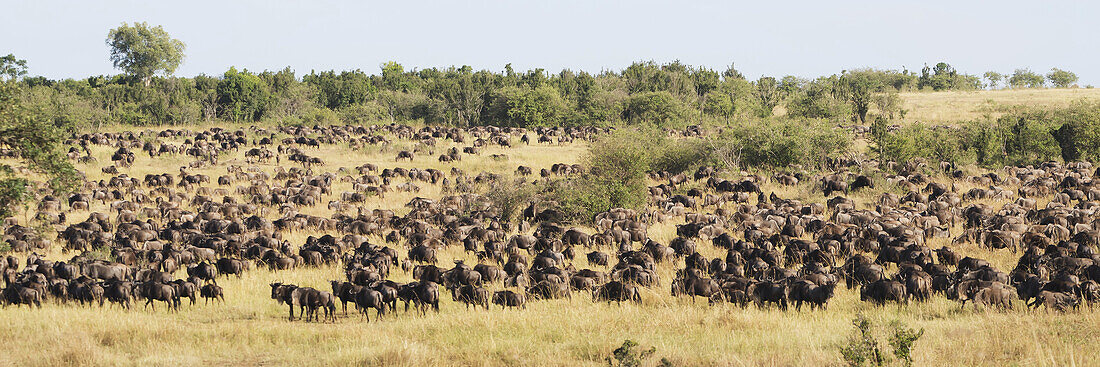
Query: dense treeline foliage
x=26 y=133
x=671 y=94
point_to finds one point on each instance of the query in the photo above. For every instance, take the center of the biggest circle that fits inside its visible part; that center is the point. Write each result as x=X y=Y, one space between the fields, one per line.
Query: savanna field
x=570 y=328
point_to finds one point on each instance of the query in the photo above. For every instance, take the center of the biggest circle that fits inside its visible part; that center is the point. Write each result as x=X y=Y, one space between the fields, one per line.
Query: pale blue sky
x=806 y=38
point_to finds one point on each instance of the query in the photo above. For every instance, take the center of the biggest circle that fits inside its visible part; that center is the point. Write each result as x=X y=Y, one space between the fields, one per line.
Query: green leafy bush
x=862 y=348
x=659 y=108
x=780 y=143
x=629 y=356
x=363 y=113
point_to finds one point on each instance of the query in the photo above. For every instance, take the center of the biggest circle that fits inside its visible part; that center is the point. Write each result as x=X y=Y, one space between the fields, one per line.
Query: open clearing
x=957 y=106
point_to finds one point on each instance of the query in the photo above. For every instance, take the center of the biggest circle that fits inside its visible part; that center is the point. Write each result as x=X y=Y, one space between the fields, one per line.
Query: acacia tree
x=994 y=78
x=1061 y=78
x=33 y=138
x=860 y=88
x=142 y=51
x=767 y=94
x=1025 y=78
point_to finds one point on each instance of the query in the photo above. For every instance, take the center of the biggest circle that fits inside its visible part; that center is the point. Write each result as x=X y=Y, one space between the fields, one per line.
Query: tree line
x=644 y=92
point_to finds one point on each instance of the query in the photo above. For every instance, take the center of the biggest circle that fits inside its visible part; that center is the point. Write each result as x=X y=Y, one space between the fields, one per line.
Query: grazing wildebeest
x=212 y=292
x=509 y=299
x=472 y=295
x=157 y=291
x=616 y=291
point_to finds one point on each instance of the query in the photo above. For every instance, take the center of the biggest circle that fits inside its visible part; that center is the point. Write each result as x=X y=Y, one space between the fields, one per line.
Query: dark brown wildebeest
x=229 y=266
x=157 y=291
x=472 y=295
x=769 y=292
x=212 y=292
x=291 y=295
x=692 y=286
x=404 y=154
x=509 y=299
x=367 y=299
x=422 y=294
x=879 y=292
x=616 y=291
x=205 y=271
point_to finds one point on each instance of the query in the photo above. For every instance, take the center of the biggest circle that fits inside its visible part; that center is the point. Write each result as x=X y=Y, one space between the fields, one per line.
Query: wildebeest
x=212 y=292
x=881 y=291
x=508 y=298
x=156 y=291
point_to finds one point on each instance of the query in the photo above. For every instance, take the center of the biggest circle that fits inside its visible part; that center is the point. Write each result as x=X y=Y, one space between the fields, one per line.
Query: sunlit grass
x=956 y=106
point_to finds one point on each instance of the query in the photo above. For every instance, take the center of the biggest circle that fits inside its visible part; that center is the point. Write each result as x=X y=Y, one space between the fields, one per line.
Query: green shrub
x=862 y=347
x=363 y=113
x=779 y=144
x=659 y=108
x=616 y=169
x=935 y=143
x=1079 y=133
x=509 y=199
x=902 y=341
x=628 y=356
x=679 y=155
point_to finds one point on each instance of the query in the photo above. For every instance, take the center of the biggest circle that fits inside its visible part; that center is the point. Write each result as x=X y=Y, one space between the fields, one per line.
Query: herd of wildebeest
x=139 y=233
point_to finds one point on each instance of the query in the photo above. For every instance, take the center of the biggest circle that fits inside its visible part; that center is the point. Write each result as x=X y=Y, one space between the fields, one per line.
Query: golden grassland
x=251 y=329
x=956 y=106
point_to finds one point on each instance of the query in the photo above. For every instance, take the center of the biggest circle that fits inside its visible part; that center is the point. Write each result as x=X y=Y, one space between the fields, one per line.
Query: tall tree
x=860 y=88
x=1025 y=78
x=242 y=96
x=767 y=94
x=143 y=51
x=1061 y=78
x=994 y=78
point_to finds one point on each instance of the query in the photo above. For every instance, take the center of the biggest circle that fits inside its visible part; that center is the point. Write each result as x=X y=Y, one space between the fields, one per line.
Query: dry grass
x=956 y=106
x=251 y=329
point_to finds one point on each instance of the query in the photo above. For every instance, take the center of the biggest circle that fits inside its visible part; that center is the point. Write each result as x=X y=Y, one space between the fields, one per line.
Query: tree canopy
x=143 y=51
x=1061 y=78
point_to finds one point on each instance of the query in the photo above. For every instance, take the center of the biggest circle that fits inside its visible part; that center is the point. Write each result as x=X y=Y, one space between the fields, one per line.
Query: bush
x=363 y=113
x=780 y=143
x=509 y=199
x=313 y=116
x=628 y=356
x=1028 y=137
x=617 y=167
x=659 y=108
x=678 y=156
x=862 y=347
x=902 y=341
x=936 y=143
x=243 y=96
x=1079 y=133
x=819 y=100
x=580 y=200
x=529 y=107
